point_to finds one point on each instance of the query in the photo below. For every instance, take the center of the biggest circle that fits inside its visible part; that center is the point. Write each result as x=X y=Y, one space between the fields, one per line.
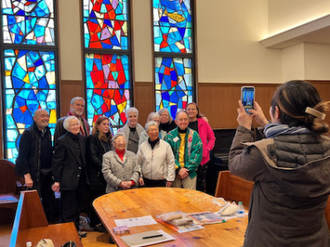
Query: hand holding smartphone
x=247 y=97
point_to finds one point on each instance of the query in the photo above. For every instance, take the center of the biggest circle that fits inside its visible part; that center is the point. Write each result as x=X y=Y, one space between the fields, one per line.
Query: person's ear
x=277 y=113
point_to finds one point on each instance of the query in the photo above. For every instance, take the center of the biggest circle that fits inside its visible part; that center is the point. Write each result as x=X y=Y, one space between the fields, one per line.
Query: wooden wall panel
x=69 y=90
x=219 y=101
x=144 y=98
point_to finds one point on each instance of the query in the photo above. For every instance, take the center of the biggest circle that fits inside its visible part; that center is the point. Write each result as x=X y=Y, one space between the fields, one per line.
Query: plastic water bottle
x=240 y=210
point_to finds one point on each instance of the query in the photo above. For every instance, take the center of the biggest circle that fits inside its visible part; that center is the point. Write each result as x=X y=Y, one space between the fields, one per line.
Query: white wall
x=228 y=34
x=286 y=14
x=293 y=66
x=142 y=40
x=317 y=62
x=69 y=33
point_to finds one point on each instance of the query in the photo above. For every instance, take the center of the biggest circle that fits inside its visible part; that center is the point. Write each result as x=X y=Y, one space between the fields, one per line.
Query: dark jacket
x=66 y=164
x=28 y=160
x=95 y=151
x=59 y=129
x=292 y=185
x=168 y=126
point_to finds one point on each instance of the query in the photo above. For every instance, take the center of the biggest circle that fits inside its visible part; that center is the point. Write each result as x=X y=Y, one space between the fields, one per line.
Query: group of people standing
x=165 y=153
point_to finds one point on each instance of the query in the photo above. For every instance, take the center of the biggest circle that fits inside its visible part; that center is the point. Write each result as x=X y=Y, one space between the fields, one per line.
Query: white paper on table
x=136 y=240
x=138 y=221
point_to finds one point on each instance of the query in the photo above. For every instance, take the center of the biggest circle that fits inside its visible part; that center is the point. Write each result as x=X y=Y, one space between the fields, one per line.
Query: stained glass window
x=174 y=54
x=173 y=83
x=172 y=26
x=107 y=60
x=105 y=24
x=108 y=87
x=29 y=81
x=28 y=22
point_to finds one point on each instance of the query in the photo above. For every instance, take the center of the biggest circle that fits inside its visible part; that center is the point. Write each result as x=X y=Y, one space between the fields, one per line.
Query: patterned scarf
x=274 y=129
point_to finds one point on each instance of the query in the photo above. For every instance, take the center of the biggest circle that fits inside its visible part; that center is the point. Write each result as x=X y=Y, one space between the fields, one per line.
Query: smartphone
x=247 y=97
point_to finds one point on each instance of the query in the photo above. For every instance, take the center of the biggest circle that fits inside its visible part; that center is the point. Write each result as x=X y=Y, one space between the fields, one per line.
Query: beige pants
x=187 y=183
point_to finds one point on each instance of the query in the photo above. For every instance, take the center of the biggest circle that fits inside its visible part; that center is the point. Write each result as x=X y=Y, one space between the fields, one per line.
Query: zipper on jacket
x=39 y=153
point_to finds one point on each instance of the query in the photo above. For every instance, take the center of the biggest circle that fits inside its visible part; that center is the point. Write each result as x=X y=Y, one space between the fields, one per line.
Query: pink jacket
x=208 y=139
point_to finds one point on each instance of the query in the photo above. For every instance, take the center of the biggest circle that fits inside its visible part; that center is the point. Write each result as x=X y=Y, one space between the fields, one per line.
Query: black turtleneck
x=76 y=144
x=182 y=131
x=193 y=125
x=168 y=126
x=132 y=129
x=153 y=143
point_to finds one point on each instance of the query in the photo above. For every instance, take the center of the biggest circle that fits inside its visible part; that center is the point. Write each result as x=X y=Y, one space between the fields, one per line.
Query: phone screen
x=247 y=97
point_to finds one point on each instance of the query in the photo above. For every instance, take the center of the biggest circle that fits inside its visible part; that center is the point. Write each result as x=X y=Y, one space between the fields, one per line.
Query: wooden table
x=155 y=201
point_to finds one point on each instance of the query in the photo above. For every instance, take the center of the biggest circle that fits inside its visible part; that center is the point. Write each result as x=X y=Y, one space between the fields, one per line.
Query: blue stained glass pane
x=25 y=72
x=172 y=26
x=31 y=23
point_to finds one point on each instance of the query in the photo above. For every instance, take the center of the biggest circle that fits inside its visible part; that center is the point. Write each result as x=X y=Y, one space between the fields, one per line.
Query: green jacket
x=193 y=150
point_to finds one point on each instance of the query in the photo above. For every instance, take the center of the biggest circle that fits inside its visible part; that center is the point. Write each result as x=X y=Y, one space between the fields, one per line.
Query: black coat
x=66 y=164
x=95 y=151
x=28 y=160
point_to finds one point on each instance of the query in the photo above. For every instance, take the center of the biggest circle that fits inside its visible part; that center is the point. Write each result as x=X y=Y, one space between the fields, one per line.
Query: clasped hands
x=183 y=173
x=125 y=184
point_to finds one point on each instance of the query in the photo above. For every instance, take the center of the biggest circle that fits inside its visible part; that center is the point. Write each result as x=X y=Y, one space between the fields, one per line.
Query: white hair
x=149 y=124
x=153 y=116
x=68 y=120
x=132 y=109
x=76 y=98
x=117 y=135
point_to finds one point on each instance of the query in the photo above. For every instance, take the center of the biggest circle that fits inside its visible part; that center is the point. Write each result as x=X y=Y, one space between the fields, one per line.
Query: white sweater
x=157 y=163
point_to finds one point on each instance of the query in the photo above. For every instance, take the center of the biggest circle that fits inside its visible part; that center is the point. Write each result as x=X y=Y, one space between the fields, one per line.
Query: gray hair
x=153 y=116
x=76 y=98
x=151 y=123
x=132 y=109
x=117 y=135
x=68 y=120
x=150 y=116
x=165 y=110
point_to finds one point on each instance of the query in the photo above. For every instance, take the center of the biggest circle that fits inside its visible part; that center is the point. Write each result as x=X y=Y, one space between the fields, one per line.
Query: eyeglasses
x=152 y=130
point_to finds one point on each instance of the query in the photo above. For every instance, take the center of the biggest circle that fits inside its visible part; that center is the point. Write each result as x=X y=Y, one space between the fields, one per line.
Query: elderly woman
x=156 y=159
x=132 y=130
x=154 y=116
x=119 y=167
x=97 y=144
x=166 y=121
x=69 y=170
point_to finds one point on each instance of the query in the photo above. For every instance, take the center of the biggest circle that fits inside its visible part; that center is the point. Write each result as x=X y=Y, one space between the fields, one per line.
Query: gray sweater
x=116 y=170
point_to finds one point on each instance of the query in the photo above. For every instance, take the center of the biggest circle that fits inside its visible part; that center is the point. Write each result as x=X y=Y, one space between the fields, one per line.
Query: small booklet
x=205 y=218
x=146 y=238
